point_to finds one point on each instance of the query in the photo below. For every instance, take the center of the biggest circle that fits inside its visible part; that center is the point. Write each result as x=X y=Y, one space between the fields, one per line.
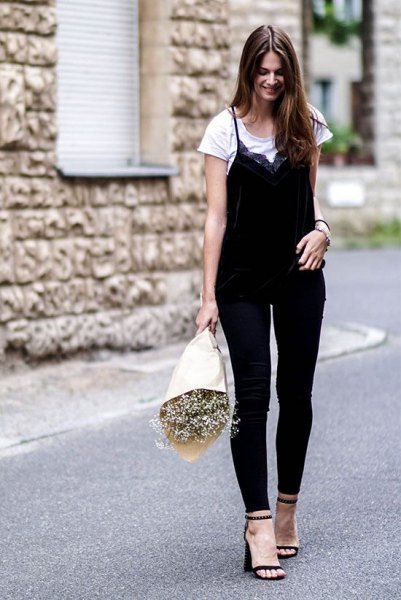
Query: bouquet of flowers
x=196 y=408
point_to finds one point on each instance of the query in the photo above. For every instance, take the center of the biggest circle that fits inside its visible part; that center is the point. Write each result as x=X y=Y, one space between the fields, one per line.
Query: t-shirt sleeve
x=320 y=127
x=216 y=140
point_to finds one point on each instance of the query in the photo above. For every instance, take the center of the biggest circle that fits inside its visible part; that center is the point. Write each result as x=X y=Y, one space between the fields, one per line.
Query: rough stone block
x=11 y=303
x=81 y=222
x=28 y=224
x=183 y=286
x=145 y=252
x=180 y=251
x=12 y=105
x=144 y=330
x=9 y=163
x=195 y=97
x=13 y=47
x=40 y=86
x=39 y=224
x=114 y=292
x=41 y=131
x=199 y=35
x=148 y=219
x=44 y=258
x=32 y=164
x=62 y=259
x=159 y=219
x=32 y=192
x=153 y=192
x=200 y=10
x=43 y=338
x=26 y=261
x=2 y=193
x=81 y=257
x=107 y=194
x=17 y=334
x=106 y=220
x=62 y=298
x=188 y=186
x=37 y=163
x=30 y=19
x=131 y=195
x=34 y=305
x=73 y=194
x=103 y=257
x=198 y=61
x=186 y=133
x=122 y=236
x=41 y=51
x=6 y=248
x=55 y=224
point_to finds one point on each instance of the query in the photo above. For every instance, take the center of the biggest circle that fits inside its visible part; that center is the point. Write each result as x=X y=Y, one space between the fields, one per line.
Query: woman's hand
x=313 y=247
x=207 y=316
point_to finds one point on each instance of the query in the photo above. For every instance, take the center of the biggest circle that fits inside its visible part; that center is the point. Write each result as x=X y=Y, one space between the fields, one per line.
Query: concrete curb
x=58 y=398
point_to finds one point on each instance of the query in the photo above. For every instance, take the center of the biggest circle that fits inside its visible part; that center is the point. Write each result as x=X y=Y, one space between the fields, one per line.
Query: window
x=322 y=97
x=98 y=81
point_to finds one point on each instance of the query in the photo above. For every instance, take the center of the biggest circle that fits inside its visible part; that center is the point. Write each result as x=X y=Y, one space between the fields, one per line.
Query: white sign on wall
x=345 y=193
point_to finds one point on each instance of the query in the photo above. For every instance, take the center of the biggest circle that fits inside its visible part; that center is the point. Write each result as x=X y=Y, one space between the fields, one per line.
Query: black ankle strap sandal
x=285 y=501
x=279 y=547
x=248 y=557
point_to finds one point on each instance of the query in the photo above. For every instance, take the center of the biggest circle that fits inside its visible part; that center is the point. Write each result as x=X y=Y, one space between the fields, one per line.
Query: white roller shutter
x=98 y=96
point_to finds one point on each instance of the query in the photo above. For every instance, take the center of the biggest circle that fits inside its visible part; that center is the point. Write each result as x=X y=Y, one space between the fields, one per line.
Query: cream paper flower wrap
x=196 y=408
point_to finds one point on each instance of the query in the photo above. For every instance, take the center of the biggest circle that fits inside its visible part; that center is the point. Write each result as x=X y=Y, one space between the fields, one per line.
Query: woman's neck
x=261 y=111
x=259 y=121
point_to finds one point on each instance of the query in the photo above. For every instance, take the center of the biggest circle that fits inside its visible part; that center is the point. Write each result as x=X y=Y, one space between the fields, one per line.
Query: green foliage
x=337 y=30
x=344 y=140
x=382 y=235
x=386 y=234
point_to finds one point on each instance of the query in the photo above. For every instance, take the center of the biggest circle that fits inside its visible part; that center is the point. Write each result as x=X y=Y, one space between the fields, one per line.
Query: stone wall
x=109 y=262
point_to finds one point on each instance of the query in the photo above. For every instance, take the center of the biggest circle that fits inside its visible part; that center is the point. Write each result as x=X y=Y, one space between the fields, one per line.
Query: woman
x=265 y=239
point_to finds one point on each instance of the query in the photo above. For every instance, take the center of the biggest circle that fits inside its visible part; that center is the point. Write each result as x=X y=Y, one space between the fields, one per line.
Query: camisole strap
x=236 y=125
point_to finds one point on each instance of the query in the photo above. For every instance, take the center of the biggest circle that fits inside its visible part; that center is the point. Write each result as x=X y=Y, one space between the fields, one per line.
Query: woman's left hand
x=313 y=247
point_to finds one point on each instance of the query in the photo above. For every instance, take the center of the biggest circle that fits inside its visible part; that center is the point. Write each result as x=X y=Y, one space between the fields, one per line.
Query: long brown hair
x=293 y=117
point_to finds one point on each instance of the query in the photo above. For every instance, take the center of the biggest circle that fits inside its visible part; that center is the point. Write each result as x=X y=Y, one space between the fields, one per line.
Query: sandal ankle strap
x=258 y=518
x=285 y=501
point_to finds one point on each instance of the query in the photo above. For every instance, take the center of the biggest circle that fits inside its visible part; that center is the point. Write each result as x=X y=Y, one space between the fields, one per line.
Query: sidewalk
x=56 y=398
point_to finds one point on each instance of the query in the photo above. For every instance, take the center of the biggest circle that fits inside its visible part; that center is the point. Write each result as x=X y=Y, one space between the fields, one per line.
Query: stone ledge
x=118 y=330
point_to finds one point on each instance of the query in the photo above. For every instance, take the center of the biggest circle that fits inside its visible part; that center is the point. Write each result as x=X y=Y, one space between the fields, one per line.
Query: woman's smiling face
x=269 y=80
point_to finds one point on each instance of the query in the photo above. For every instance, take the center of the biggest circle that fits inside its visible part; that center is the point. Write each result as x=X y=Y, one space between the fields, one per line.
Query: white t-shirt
x=220 y=139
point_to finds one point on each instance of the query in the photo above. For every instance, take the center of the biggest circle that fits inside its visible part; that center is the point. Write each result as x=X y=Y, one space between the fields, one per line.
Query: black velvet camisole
x=269 y=209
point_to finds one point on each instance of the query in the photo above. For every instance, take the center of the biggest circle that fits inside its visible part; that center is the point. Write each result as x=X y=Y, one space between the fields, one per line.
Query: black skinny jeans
x=297 y=318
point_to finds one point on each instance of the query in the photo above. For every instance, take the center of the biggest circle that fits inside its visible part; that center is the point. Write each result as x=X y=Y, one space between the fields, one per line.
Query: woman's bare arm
x=313 y=245
x=312 y=179
x=215 y=226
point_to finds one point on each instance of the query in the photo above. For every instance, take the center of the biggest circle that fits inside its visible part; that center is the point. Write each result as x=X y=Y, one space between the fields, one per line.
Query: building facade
x=104 y=253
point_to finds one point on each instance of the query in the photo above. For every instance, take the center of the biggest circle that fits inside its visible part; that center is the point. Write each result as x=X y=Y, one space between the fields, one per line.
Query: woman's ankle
x=266 y=512
x=290 y=499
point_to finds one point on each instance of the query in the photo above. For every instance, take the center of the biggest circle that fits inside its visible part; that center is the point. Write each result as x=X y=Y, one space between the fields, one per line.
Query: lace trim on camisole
x=271 y=166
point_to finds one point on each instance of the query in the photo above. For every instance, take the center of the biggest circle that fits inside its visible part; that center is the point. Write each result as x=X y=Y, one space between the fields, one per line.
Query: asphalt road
x=100 y=512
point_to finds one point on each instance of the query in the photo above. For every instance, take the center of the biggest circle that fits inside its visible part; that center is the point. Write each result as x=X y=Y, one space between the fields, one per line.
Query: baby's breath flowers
x=195 y=416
